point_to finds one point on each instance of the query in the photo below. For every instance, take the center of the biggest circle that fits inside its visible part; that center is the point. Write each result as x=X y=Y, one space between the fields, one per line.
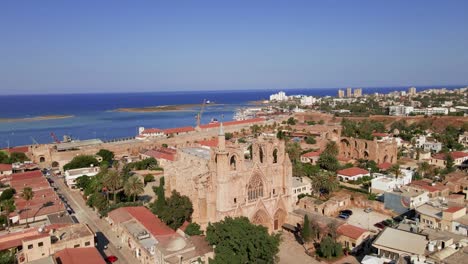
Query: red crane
x=54 y=137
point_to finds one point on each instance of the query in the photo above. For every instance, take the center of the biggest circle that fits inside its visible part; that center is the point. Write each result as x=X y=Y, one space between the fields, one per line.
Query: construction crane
x=199 y=115
x=54 y=137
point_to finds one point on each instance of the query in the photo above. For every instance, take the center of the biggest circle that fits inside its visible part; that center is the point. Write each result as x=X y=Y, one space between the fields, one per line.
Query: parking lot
x=366 y=220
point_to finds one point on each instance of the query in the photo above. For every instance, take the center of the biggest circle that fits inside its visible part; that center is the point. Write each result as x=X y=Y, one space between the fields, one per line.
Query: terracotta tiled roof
x=151 y=131
x=352 y=171
x=22 y=149
x=312 y=154
x=384 y=166
x=232 y=123
x=88 y=255
x=454 y=209
x=164 y=153
x=5 y=167
x=428 y=186
x=209 y=143
x=454 y=154
x=12 y=240
x=351 y=231
x=144 y=216
x=178 y=130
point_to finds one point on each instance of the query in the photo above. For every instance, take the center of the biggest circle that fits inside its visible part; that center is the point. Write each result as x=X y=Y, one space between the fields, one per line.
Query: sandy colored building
x=328 y=208
x=380 y=151
x=353 y=237
x=152 y=241
x=228 y=181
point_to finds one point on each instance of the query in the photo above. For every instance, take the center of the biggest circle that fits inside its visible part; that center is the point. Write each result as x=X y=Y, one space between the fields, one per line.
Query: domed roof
x=176 y=244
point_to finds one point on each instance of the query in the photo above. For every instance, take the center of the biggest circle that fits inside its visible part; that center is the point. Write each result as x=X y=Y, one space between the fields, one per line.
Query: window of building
x=87 y=243
x=40 y=244
x=353 y=244
x=235 y=200
x=30 y=246
x=77 y=245
x=255 y=188
x=260 y=153
x=275 y=156
x=273 y=191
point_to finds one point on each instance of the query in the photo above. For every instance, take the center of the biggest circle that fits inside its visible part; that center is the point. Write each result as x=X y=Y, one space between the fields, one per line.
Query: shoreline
x=37 y=118
x=160 y=108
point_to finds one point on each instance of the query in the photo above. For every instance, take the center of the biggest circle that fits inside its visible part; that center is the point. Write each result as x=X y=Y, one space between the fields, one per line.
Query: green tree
x=449 y=162
x=294 y=151
x=329 y=248
x=310 y=140
x=148 y=178
x=178 y=209
x=27 y=195
x=81 y=161
x=4 y=157
x=193 y=229
x=228 y=135
x=113 y=182
x=395 y=170
x=424 y=168
x=291 y=121
x=83 y=182
x=324 y=183
x=133 y=187
x=7 y=257
x=97 y=200
x=18 y=157
x=106 y=155
x=7 y=206
x=328 y=162
x=305 y=232
x=239 y=241
x=7 y=194
x=160 y=204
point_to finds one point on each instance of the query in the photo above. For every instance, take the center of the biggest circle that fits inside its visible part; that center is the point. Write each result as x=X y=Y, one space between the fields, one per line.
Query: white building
x=280 y=96
x=308 y=100
x=72 y=175
x=431 y=111
x=384 y=183
x=400 y=110
x=428 y=144
x=300 y=185
x=351 y=174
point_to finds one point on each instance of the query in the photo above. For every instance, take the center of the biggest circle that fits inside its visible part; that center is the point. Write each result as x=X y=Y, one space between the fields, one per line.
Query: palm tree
x=133 y=187
x=324 y=183
x=27 y=195
x=113 y=182
x=424 y=168
x=395 y=170
x=7 y=207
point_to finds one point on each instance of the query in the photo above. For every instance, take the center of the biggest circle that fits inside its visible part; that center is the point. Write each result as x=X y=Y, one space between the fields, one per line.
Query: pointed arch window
x=275 y=156
x=255 y=188
x=233 y=162
x=260 y=154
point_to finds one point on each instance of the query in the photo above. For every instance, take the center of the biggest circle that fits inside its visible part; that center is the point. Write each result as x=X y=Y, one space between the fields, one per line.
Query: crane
x=54 y=137
x=199 y=115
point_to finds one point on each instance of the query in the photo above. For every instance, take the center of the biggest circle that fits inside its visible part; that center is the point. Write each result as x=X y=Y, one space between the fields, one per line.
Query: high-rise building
x=349 y=92
x=340 y=93
x=412 y=91
x=357 y=92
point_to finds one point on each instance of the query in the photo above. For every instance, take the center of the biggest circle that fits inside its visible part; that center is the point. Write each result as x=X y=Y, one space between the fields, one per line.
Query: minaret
x=222 y=174
x=221 y=139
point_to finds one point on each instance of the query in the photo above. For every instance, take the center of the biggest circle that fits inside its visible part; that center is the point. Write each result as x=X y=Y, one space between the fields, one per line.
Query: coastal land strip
x=161 y=108
x=36 y=118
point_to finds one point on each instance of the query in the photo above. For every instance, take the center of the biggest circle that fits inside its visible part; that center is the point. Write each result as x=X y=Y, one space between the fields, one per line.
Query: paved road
x=84 y=214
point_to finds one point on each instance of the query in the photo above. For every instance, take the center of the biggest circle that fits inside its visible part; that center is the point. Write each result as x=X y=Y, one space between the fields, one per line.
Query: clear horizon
x=55 y=47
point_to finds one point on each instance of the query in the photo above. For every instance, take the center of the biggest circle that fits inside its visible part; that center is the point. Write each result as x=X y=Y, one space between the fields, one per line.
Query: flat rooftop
x=400 y=240
x=203 y=153
x=78 y=144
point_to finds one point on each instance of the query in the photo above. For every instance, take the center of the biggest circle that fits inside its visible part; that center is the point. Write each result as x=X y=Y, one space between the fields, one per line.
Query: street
x=84 y=214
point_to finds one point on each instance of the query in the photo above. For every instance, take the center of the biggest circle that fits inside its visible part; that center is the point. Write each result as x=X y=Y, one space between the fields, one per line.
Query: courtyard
x=366 y=220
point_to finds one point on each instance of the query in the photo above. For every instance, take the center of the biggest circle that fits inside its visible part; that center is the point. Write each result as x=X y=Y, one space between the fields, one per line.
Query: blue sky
x=117 y=46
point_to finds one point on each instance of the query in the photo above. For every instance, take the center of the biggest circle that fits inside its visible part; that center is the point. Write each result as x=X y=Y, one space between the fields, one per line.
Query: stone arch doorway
x=279 y=219
x=366 y=155
x=261 y=218
x=41 y=159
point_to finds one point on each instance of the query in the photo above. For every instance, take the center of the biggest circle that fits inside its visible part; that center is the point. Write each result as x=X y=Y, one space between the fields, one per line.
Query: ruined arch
x=279 y=219
x=366 y=154
x=355 y=144
x=345 y=142
x=275 y=155
x=255 y=188
x=355 y=154
x=385 y=159
x=233 y=162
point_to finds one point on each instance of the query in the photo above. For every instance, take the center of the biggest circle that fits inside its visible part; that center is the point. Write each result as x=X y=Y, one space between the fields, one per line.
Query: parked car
x=343 y=216
x=368 y=210
x=379 y=225
x=346 y=212
x=111 y=259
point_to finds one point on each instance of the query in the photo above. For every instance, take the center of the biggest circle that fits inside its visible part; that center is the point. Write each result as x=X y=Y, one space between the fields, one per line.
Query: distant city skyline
x=117 y=46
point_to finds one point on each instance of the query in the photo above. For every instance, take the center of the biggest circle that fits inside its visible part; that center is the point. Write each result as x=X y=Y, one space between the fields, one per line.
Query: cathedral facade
x=236 y=180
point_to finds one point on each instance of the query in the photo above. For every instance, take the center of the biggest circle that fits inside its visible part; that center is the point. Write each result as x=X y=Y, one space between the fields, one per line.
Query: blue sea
x=93 y=116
